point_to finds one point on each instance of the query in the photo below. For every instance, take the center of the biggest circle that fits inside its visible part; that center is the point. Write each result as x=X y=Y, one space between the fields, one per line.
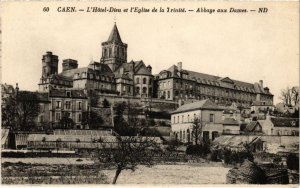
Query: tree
x=105 y=103
x=120 y=125
x=8 y=115
x=290 y=96
x=129 y=152
x=66 y=123
x=295 y=95
x=292 y=162
x=22 y=110
x=92 y=119
x=197 y=131
x=286 y=96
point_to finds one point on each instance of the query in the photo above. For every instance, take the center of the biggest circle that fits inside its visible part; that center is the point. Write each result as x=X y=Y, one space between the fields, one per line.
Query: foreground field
x=171 y=174
x=69 y=171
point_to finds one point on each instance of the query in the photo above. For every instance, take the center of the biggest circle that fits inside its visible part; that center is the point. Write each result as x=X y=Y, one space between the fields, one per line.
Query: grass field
x=180 y=173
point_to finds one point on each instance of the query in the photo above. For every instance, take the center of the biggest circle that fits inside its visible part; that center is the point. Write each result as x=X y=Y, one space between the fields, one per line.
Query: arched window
x=137 y=90
x=137 y=80
x=144 y=90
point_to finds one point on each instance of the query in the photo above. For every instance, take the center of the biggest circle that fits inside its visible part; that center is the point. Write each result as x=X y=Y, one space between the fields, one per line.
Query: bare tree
x=128 y=152
x=286 y=96
x=290 y=96
x=295 y=95
x=197 y=131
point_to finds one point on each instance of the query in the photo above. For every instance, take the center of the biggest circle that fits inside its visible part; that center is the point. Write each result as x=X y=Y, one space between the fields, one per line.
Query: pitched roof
x=285 y=122
x=203 y=104
x=114 y=35
x=230 y=121
x=144 y=71
x=82 y=132
x=251 y=126
x=235 y=141
x=93 y=68
x=219 y=81
x=60 y=77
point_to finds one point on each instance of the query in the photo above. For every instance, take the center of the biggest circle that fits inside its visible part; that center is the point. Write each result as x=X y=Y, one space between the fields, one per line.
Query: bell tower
x=114 y=51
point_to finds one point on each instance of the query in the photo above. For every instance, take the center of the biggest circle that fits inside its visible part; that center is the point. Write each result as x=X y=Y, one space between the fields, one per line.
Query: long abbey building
x=114 y=75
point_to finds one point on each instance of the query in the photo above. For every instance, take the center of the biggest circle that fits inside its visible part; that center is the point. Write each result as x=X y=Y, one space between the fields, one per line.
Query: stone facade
x=176 y=83
x=281 y=126
x=67 y=104
x=209 y=115
x=112 y=75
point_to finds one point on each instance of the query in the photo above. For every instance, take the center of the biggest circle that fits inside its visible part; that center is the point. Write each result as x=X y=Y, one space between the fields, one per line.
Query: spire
x=114 y=35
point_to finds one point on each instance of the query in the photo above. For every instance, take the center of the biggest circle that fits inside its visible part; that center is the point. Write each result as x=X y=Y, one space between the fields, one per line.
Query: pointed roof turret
x=114 y=35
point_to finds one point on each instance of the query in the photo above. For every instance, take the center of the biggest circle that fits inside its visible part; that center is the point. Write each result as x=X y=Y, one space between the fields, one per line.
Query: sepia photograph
x=159 y=93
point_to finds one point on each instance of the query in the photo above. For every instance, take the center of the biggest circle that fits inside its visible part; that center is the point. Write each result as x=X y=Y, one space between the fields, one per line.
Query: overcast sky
x=247 y=47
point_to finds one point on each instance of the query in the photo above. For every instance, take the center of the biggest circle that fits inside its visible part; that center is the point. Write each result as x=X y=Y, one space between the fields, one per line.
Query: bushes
x=231 y=157
x=292 y=162
x=215 y=155
x=199 y=150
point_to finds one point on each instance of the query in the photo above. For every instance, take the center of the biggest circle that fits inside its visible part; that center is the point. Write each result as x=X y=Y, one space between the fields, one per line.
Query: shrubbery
x=231 y=157
x=199 y=150
x=292 y=162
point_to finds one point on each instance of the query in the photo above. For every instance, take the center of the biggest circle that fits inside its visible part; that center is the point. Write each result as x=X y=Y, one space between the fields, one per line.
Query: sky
x=247 y=47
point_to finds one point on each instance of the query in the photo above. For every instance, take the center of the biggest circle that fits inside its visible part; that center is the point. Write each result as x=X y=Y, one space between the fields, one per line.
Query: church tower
x=114 y=51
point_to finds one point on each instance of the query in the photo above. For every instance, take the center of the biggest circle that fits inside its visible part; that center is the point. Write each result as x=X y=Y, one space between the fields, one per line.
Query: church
x=114 y=75
x=111 y=75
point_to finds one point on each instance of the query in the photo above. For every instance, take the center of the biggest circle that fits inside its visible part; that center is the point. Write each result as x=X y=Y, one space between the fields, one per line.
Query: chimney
x=149 y=68
x=261 y=83
x=179 y=65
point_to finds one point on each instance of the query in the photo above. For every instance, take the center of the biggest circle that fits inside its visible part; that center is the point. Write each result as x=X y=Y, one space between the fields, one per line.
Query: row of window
x=166 y=84
x=94 y=76
x=144 y=90
x=181 y=118
x=187 y=136
x=58 y=105
x=211 y=91
x=284 y=132
x=144 y=81
x=61 y=82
